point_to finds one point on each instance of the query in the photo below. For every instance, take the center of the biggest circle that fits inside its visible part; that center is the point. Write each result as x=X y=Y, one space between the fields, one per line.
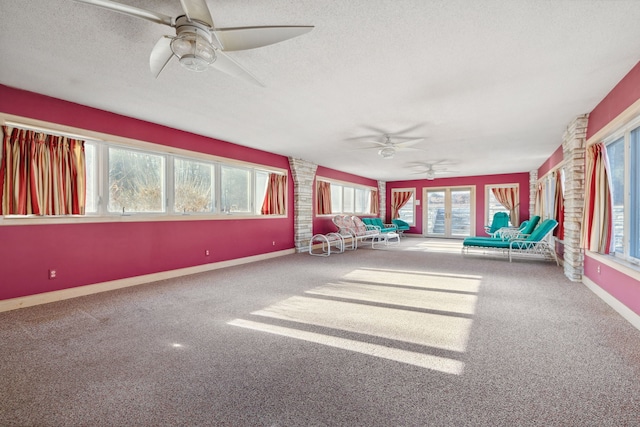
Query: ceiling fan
x=387 y=148
x=198 y=44
x=431 y=170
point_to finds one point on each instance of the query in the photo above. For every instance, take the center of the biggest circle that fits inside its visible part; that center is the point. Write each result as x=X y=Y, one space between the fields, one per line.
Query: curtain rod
x=50 y=131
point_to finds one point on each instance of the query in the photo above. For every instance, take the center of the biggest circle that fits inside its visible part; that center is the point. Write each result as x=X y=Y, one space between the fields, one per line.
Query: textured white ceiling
x=490 y=84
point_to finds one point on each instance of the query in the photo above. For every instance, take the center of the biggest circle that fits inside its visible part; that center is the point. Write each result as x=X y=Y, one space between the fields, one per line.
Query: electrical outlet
x=598 y=269
x=206 y=252
x=274 y=243
x=52 y=274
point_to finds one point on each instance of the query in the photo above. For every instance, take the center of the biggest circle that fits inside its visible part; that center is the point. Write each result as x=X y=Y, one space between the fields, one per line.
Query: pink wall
x=478 y=181
x=323 y=224
x=623 y=95
x=617 y=284
x=555 y=159
x=91 y=253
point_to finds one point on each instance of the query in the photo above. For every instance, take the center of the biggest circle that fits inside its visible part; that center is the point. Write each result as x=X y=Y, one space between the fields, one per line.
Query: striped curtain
x=41 y=174
x=274 y=199
x=539 y=204
x=375 y=202
x=597 y=221
x=508 y=197
x=398 y=200
x=323 y=198
x=559 y=205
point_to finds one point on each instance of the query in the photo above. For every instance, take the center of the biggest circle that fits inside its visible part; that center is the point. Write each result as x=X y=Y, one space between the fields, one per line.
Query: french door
x=449 y=212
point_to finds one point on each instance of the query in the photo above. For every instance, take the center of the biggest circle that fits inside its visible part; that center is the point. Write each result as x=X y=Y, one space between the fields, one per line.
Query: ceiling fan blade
x=160 y=56
x=227 y=65
x=401 y=148
x=156 y=17
x=197 y=10
x=408 y=143
x=243 y=38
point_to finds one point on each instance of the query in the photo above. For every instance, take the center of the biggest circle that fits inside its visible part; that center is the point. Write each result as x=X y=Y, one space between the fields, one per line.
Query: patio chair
x=382 y=227
x=402 y=225
x=525 y=229
x=500 y=220
x=352 y=229
x=535 y=245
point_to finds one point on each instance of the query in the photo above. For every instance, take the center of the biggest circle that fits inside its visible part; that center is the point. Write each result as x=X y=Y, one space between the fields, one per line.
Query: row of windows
x=350 y=199
x=624 y=161
x=122 y=180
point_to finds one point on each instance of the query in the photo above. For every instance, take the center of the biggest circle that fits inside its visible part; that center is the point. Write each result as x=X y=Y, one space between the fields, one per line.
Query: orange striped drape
x=323 y=198
x=597 y=215
x=41 y=174
x=375 y=203
x=508 y=197
x=274 y=199
x=398 y=200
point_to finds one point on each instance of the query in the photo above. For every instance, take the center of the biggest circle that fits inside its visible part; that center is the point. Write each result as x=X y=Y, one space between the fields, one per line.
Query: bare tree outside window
x=193 y=183
x=135 y=181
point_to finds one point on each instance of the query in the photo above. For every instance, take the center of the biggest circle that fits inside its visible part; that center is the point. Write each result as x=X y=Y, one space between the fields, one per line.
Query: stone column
x=573 y=149
x=382 y=196
x=533 y=186
x=303 y=174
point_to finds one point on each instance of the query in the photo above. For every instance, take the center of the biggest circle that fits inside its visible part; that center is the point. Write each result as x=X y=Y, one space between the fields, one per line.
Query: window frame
x=102 y=142
x=413 y=197
x=349 y=186
x=488 y=194
x=630 y=197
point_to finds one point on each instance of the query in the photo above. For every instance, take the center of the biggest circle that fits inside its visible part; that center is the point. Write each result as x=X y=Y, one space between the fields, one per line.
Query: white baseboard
x=622 y=309
x=47 y=297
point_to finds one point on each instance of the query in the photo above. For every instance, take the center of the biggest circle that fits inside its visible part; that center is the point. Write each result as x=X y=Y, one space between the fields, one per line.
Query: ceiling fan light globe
x=193 y=51
x=387 y=152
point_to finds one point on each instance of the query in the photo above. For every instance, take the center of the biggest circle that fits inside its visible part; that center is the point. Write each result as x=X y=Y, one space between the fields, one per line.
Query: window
x=235 y=190
x=492 y=205
x=349 y=199
x=363 y=200
x=336 y=198
x=406 y=212
x=193 y=186
x=135 y=181
x=623 y=152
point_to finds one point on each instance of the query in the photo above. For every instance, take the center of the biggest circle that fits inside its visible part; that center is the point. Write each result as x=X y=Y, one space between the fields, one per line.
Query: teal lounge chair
x=536 y=245
x=402 y=225
x=525 y=229
x=500 y=220
x=382 y=227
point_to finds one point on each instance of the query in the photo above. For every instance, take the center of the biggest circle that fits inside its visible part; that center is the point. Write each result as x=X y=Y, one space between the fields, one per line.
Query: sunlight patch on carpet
x=436 y=363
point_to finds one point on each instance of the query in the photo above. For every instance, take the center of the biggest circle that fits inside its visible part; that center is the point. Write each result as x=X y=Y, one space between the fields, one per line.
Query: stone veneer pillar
x=533 y=186
x=573 y=151
x=303 y=174
x=382 y=197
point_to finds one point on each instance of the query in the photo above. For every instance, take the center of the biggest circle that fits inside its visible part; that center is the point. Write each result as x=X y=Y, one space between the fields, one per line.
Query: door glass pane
x=460 y=213
x=435 y=213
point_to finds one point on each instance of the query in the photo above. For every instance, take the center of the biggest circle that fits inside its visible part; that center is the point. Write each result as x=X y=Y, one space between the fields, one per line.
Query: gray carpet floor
x=408 y=335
